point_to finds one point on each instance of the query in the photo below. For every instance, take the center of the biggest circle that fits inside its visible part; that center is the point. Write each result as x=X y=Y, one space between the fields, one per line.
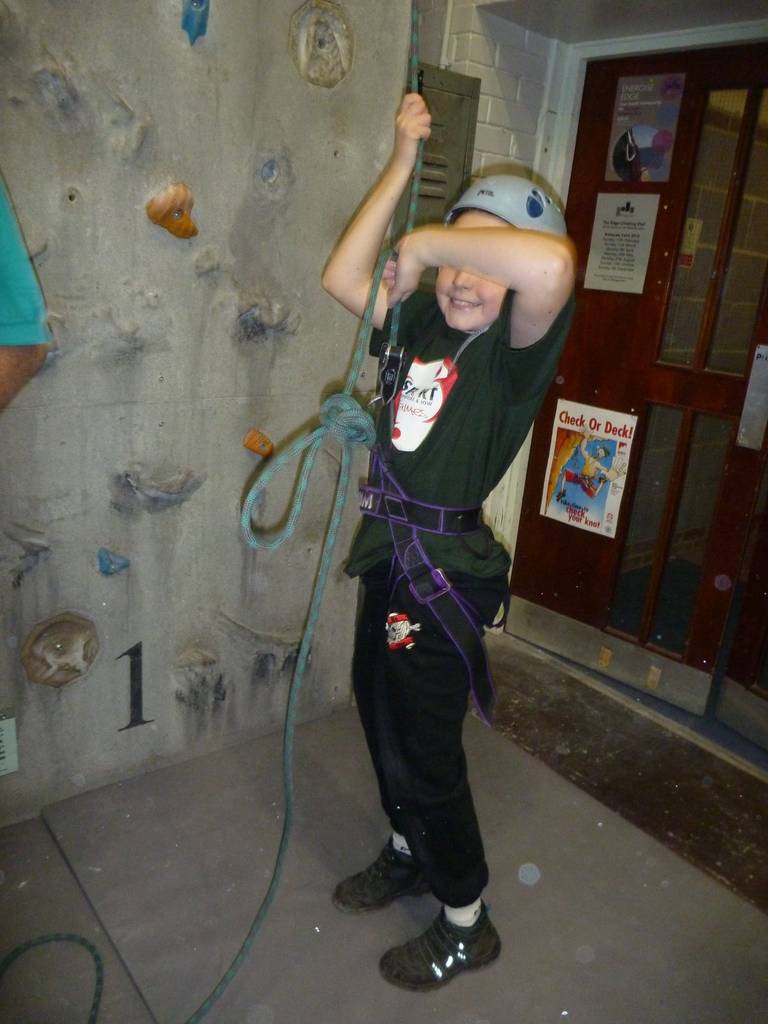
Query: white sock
x=464 y=917
x=400 y=843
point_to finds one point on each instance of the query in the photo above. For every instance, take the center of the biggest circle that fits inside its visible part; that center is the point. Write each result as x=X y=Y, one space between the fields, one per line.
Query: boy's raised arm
x=349 y=270
x=537 y=266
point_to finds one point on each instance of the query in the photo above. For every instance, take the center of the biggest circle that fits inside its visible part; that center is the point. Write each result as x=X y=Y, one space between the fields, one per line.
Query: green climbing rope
x=342 y=418
x=79 y=940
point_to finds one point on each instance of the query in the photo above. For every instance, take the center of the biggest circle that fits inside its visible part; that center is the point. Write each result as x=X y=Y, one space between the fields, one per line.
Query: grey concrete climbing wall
x=136 y=626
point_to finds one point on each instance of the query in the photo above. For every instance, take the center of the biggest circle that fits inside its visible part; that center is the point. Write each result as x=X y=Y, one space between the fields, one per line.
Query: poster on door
x=620 y=246
x=645 y=116
x=587 y=465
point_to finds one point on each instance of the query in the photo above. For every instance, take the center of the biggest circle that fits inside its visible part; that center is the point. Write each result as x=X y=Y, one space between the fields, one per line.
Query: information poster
x=9 y=755
x=621 y=242
x=645 y=116
x=587 y=465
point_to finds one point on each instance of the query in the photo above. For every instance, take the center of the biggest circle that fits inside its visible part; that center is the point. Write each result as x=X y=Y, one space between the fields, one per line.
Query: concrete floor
x=165 y=872
x=706 y=802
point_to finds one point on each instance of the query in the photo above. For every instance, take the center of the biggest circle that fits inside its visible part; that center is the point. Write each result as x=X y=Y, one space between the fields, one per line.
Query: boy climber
x=479 y=356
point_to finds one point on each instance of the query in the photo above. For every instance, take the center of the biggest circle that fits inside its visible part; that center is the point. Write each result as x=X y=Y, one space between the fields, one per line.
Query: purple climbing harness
x=384 y=504
x=384 y=498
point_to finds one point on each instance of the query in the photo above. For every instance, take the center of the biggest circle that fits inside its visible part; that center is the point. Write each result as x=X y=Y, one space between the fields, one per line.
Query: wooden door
x=646 y=597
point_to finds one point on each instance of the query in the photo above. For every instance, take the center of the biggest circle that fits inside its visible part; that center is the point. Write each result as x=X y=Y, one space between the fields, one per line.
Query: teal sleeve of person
x=22 y=307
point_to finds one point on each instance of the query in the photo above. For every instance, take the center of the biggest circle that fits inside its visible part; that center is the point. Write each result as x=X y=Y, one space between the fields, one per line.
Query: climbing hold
x=206 y=262
x=111 y=564
x=270 y=171
x=60 y=650
x=171 y=209
x=130 y=130
x=196 y=654
x=259 y=443
x=260 y=316
x=273 y=177
x=132 y=493
x=130 y=143
x=321 y=43
x=194 y=18
x=34 y=546
x=200 y=681
x=60 y=97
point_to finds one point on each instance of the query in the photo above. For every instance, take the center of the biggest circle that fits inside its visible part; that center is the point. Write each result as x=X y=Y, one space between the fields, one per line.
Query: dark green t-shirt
x=464 y=423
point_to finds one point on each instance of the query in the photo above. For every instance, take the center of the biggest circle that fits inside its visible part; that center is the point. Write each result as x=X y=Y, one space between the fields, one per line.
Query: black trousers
x=412 y=692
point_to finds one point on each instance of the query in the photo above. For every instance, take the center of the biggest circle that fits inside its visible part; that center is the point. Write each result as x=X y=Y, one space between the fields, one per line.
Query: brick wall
x=431 y=27
x=511 y=63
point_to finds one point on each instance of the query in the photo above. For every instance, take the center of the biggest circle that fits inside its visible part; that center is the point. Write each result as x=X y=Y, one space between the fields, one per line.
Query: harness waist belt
x=374 y=501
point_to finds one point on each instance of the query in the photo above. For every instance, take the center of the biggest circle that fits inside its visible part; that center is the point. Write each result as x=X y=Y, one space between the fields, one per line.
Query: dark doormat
x=703 y=807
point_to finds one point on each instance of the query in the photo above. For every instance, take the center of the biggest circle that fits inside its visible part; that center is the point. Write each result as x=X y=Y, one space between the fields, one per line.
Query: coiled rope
x=80 y=940
x=342 y=418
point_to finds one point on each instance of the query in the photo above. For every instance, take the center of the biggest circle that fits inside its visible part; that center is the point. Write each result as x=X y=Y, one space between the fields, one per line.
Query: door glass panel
x=706 y=205
x=682 y=572
x=648 y=509
x=746 y=265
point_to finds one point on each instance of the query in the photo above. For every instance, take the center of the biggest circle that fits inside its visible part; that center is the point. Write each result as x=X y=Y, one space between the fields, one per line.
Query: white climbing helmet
x=516 y=200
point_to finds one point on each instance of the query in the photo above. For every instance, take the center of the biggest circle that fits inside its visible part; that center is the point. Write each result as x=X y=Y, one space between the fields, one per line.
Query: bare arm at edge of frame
x=18 y=364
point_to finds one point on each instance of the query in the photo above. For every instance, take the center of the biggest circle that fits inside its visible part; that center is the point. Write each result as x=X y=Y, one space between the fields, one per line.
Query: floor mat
x=600 y=923
x=697 y=804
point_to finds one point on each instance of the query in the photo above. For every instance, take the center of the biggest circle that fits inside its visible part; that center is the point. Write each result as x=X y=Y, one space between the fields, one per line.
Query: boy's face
x=467 y=301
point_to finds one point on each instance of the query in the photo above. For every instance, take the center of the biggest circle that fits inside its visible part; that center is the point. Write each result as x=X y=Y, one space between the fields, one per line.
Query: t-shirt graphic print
x=420 y=400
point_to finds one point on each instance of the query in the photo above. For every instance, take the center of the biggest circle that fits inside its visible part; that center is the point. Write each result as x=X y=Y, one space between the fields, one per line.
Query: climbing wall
x=180 y=171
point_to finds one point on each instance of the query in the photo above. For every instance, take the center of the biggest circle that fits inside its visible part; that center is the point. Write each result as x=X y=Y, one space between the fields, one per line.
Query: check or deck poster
x=644 y=126
x=587 y=466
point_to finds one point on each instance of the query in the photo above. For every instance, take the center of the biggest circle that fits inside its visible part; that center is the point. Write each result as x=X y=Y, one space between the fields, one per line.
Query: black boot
x=440 y=953
x=391 y=875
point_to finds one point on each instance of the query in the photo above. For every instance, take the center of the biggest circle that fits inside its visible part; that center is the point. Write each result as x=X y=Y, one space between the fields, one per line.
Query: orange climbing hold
x=171 y=209
x=257 y=442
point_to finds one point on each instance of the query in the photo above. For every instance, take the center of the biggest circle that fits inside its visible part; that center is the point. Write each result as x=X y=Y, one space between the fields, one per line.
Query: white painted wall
x=512 y=64
x=432 y=23
x=514 y=125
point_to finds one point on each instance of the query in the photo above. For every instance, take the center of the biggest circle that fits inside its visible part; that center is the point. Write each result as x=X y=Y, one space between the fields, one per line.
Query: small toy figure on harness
x=400 y=631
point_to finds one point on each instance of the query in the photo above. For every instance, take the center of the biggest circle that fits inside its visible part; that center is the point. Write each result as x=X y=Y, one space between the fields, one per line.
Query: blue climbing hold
x=111 y=564
x=194 y=18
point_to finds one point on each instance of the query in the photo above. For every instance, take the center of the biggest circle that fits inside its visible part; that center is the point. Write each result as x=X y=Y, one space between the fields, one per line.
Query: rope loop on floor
x=79 y=940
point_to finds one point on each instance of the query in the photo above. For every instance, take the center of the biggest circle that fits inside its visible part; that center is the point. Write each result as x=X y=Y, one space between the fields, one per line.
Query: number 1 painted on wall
x=137 y=696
